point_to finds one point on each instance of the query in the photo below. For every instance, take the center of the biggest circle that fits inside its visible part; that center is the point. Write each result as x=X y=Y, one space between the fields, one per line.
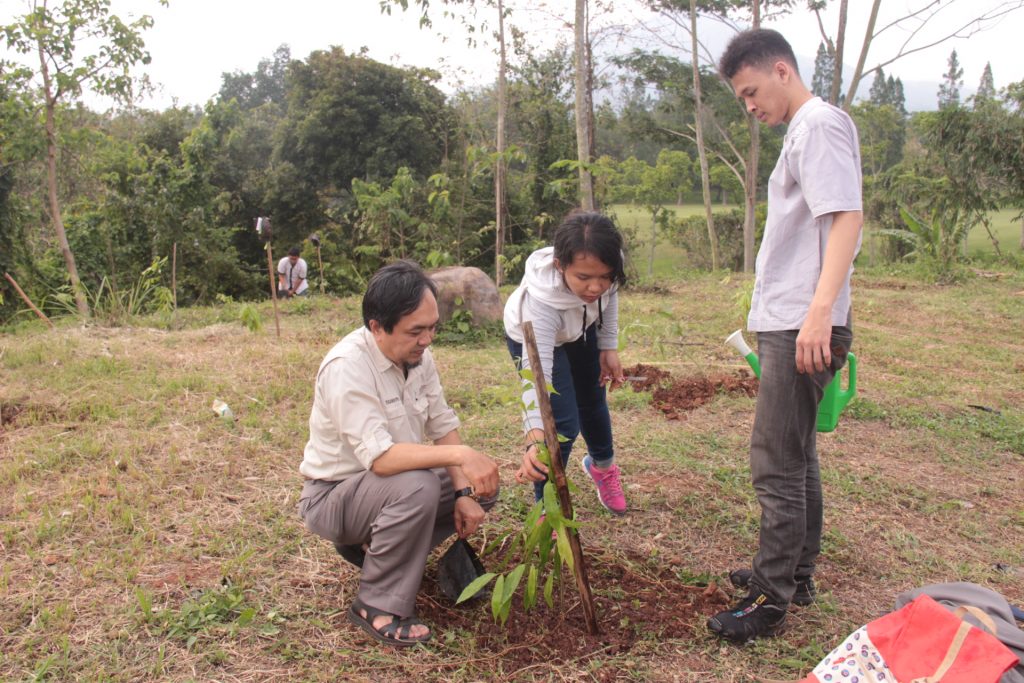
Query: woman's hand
x=611 y=370
x=532 y=468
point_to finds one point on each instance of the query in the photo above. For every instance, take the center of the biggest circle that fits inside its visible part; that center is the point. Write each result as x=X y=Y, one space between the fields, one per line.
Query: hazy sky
x=193 y=42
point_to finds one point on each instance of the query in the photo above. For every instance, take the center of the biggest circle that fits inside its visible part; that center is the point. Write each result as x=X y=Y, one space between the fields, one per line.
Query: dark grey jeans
x=784 y=461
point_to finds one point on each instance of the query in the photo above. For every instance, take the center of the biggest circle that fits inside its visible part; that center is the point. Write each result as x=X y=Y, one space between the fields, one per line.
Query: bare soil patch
x=631 y=605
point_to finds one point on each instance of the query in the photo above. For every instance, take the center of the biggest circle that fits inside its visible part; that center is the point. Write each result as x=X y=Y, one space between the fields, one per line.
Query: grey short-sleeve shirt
x=818 y=173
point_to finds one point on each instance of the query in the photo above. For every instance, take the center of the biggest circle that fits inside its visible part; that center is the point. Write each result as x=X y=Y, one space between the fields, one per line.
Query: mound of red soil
x=691 y=392
x=651 y=375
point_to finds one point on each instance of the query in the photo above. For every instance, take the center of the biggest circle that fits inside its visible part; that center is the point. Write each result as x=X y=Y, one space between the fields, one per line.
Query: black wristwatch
x=468 y=491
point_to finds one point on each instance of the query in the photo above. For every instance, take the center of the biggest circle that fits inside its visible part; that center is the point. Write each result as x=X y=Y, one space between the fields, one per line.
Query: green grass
x=145 y=538
x=1006 y=230
x=669 y=258
x=635 y=221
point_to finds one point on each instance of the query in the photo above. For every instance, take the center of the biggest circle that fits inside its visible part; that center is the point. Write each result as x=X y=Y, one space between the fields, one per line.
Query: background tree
x=584 y=104
x=986 y=87
x=915 y=22
x=63 y=38
x=824 y=71
x=698 y=127
x=952 y=81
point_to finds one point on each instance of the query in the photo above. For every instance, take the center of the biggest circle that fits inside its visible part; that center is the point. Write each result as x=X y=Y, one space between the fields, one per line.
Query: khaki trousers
x=401 y=517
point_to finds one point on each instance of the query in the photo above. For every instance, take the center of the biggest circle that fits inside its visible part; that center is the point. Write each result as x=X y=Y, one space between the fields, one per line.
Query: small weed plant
x=250 y=316
x=221 y=608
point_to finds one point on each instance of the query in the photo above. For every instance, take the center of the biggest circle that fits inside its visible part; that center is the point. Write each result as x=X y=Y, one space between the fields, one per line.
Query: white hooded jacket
x=558 y=316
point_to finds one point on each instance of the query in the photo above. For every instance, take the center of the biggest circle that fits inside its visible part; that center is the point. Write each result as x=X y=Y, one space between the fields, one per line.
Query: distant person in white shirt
x=291 y=275
x=387 y=476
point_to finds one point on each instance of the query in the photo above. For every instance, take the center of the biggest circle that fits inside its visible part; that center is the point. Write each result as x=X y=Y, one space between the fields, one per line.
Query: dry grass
x=136 y=527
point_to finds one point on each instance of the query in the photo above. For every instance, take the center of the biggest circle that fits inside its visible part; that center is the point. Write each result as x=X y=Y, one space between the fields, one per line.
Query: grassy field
x=668 y=256
x=1006 y=231
x=144 y=538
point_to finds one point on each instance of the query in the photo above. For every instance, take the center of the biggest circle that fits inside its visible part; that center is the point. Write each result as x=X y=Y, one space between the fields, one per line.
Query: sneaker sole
x=716 y=627
x=583 y=464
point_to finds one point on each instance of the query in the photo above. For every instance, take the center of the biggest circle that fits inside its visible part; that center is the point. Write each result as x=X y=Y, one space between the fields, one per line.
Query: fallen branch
x=25 y=298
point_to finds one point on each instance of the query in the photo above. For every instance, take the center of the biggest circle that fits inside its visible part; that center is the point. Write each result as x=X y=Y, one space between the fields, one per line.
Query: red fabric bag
x=921 y=643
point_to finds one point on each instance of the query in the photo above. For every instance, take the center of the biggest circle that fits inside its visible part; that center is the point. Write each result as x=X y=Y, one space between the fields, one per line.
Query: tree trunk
x=654 y=245
x=869 y=33
x=1022 y=233
x=705 y=180
x=750 y=173
x=584 y=134
x=499 y=166
x=837 y=74
x=51 y=181
x=750 y=194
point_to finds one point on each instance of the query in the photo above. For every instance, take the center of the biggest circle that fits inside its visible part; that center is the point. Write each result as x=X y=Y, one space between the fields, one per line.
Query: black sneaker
x=805 y=590
x=756 y=616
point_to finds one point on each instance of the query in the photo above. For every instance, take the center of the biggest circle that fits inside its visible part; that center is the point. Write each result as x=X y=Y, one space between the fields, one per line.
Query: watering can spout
x=736 y=341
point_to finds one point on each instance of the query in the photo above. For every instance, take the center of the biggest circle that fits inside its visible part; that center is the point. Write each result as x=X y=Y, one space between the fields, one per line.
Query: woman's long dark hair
x=590 y=233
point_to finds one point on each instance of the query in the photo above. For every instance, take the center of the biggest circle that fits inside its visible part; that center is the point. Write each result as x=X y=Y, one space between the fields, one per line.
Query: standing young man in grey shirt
x=801 y=314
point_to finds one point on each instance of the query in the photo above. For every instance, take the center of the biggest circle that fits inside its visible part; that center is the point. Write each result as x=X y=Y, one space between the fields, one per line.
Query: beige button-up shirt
x=363 y=404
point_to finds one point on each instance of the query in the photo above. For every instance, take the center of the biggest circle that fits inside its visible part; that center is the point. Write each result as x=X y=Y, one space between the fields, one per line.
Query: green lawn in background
x=1005 y=229
x=669 y=258
x=636 y=221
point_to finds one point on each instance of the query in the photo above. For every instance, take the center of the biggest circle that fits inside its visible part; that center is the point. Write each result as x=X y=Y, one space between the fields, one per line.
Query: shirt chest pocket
x=398 y=412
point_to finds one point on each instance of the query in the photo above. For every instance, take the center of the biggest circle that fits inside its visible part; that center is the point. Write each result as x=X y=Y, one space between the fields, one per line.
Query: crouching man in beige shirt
x=373 y=487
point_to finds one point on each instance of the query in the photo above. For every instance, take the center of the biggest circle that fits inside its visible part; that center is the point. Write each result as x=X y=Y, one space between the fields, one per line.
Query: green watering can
x=834 y=399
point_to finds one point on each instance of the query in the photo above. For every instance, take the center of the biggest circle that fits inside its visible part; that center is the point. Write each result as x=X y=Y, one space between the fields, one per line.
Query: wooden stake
x=273 y=287
x=556 y=472
x=25 y=298
x=174 y=276
x=320 y=261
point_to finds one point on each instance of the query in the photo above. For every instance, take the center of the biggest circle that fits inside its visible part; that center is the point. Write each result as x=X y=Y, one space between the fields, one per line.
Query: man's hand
x=611 y=369
x=481 y=471
x=813 y=350
x=468 y=516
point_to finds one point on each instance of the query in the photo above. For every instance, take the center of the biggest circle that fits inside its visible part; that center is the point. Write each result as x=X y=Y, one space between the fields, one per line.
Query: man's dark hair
x=590 y=233
x=294 y=251
x=394 y=292
x=758 y=48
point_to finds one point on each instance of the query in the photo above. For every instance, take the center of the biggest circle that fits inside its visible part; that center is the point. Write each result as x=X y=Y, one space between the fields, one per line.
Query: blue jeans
x=784 y=461
x=580 y=404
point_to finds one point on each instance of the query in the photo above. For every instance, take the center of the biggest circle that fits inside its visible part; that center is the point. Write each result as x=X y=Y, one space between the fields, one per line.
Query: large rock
x=477 y=291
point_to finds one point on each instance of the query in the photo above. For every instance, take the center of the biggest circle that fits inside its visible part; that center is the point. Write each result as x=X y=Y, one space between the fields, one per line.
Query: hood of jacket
x=546 y=282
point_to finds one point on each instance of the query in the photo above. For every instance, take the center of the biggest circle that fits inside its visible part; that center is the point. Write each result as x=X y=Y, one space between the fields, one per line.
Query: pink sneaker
x=609 y=486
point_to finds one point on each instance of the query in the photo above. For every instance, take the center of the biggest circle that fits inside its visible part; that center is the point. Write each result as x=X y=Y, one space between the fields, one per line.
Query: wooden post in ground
x=174 y=276
x=321 y=262
x=25 y=298
x=273 y=287
x=556 y=473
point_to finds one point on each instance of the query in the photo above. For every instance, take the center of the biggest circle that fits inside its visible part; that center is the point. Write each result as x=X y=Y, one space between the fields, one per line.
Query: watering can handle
x=851 y=387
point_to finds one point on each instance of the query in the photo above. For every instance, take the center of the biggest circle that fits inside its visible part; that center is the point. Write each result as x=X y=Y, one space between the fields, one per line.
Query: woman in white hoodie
x=570 y=294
